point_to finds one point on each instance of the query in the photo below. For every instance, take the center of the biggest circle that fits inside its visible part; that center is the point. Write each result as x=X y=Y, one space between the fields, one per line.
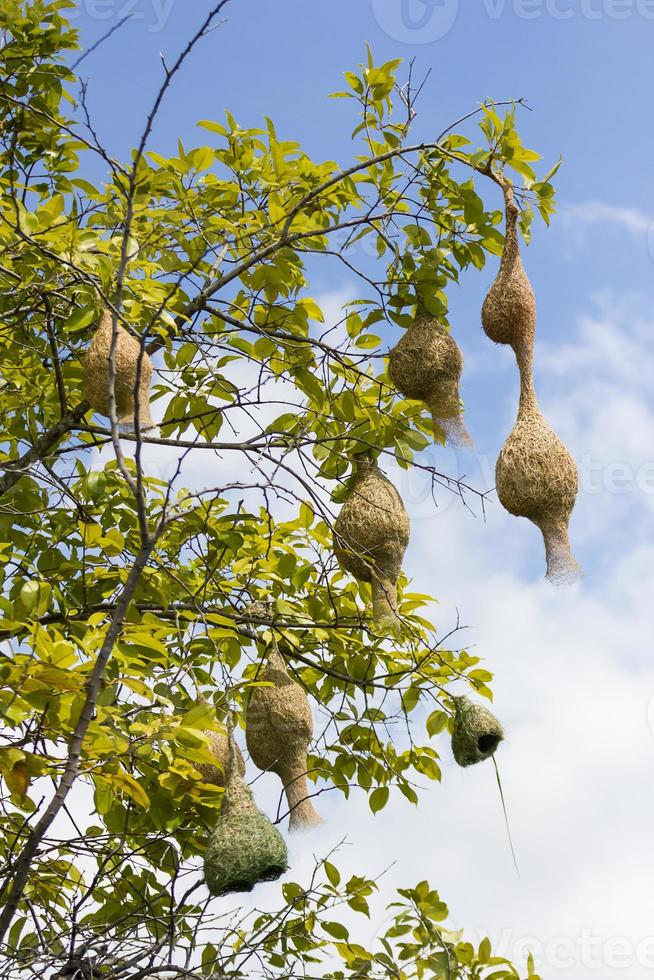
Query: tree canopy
x=137 y=609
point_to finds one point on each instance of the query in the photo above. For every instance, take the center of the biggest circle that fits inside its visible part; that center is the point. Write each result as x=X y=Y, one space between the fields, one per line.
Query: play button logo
x=416 y=21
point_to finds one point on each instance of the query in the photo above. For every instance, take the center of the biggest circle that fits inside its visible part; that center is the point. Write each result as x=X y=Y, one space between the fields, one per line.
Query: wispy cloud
x=592 y=213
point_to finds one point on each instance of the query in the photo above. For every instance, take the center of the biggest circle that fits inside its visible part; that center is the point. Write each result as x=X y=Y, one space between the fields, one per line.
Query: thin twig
x=101 y=40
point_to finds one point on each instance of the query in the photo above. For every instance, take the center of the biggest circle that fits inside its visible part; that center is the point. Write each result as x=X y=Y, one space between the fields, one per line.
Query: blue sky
x=574 y=681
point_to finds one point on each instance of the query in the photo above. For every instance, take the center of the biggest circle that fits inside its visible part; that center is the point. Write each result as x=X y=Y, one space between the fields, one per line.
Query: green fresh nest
x=477 y=733
x=245 y=848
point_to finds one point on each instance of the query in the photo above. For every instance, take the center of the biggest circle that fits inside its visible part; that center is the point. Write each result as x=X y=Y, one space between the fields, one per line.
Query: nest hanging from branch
x=127 y=355
x=219 y=746
x=535 y=474
x=508 y=314
x=371 y=535
x=279 y=728
x=477 y=733
x=536 y=478
x=244 y=848
x=426 y=364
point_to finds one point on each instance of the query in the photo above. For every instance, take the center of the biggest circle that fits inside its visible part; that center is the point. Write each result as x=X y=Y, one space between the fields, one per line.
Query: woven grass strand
x=371 y=535
x=96 y=374
x=244 y=848
x=508 y=314
x=426 y=364
x=476 y=734
x=279 y=728
x=219 y=747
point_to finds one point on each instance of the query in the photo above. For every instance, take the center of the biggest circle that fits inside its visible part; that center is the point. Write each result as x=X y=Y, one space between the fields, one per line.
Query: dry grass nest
x=537 y=478
x=219 y=747
x=508 y=314
x=96 y=374
x=371 y=535
x=426 y=364
x=279 y=728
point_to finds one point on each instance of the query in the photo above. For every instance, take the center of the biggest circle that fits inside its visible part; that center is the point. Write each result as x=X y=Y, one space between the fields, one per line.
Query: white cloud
x=599 y=213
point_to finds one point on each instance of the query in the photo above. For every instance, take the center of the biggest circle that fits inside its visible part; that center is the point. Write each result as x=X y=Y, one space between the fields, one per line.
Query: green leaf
x=333 y=874
x=378 y=798
x=336 y=930
x=80 y=319
x=125 y=782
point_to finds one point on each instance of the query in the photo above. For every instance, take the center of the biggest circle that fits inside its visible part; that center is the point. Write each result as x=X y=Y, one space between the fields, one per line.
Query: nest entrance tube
x=384 y=599
x=279 y=728
x=476 y=734
x=426 y=364
x=133 y=374
x=562 y=566
x=371 y=535
x=244 y=848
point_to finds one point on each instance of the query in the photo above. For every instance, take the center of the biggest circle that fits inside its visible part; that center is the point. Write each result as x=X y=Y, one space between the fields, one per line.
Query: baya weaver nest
x=244 y=847
x=426 y=364
x=476 y=734
x=371 y=535
x=219 y=747
x=127 y=355
x=508 y=314
x=535 y=474
x=536 y=478
x=279 y=728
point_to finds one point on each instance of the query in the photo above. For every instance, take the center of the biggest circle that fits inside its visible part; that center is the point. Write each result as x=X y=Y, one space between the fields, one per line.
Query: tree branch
x=22 y=865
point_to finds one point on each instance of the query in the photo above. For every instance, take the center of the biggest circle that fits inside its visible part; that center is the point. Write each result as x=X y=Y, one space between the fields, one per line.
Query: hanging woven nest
x=508 y=314
x=127 y=355
x=426 y=364
x=477 y=733
x=536 y=478
x=371 y=535
x=219 y=747
x=244 y=847
x=279 y=728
